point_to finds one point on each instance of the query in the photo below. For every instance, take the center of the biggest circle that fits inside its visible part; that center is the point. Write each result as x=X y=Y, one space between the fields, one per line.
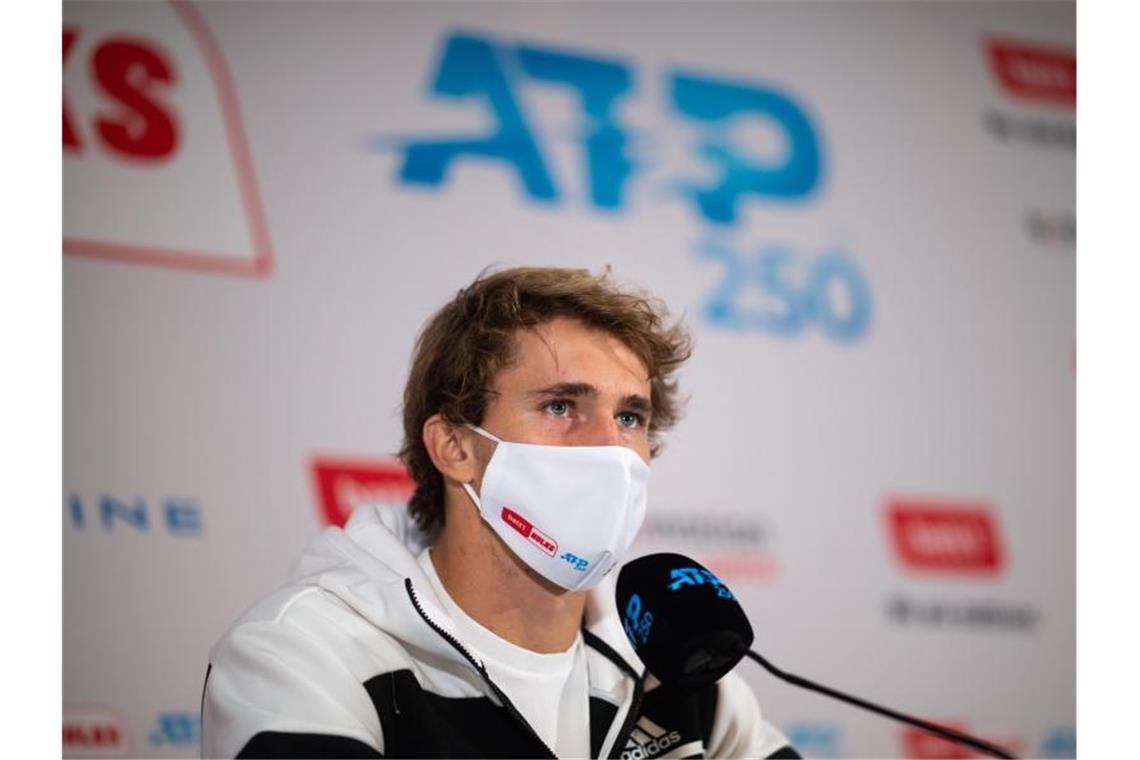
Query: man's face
x=571 y=386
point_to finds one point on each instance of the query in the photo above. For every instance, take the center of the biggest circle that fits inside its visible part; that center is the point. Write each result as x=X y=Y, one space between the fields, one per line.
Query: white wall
x=246 y=267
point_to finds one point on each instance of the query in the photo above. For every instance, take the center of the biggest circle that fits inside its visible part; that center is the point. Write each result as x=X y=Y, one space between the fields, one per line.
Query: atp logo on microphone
x=697 y=576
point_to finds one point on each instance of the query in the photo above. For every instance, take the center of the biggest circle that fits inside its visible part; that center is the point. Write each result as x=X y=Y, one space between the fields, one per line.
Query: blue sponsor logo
x=491 y=76
x=814 y=739
x=637 y=623
x=697 y=576
x=173 y=516
x=576 y=562
x=176 y=729
x=775 y=290
x=798 y=292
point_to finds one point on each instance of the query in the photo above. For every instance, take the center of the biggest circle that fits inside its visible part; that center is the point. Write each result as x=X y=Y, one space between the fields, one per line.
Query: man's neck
x=499 y=592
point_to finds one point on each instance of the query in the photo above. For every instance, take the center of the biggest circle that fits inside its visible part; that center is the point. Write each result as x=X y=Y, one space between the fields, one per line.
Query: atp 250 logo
x=478 y=68
x=774 y=287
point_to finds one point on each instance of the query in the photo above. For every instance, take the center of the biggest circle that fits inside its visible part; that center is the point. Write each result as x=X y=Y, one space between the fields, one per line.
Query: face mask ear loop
x=467 y=486
x=484 y=433
x=474 y=497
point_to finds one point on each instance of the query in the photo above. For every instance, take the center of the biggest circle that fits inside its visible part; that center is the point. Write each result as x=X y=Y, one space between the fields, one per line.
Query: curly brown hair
x=463 y=346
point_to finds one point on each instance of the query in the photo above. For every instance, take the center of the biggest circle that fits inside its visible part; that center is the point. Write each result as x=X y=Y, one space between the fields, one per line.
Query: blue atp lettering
x=599 y=85
x=577 y=563
x=697 y=576
x=713 y=103
x=481 y=70
x=473 y=68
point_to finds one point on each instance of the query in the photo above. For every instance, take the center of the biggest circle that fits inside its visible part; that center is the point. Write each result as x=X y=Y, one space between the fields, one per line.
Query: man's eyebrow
x=638 y=403
x=566 y=389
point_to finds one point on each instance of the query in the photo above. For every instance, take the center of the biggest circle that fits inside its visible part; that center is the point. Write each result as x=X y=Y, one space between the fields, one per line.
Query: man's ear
x=452 y=451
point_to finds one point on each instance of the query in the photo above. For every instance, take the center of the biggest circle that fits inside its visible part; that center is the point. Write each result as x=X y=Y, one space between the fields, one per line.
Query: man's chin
x=518 y=567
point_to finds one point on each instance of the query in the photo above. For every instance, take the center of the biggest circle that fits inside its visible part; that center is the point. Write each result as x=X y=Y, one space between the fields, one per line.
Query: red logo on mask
x=529 y=532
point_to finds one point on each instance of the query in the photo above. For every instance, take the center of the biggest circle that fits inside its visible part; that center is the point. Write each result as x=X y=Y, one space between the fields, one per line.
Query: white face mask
x=569 y=512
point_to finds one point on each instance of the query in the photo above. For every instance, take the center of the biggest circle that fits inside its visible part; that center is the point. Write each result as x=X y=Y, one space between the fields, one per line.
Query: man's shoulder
x=295 y=620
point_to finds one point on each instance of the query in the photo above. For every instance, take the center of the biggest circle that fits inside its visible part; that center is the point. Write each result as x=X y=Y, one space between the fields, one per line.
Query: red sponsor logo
x=343 y=484
x=134 y=129
x=1034 y=72
x=921 y=745
x=517 y=521
x=93 y=731
x=945 y=537
x=529 y=532
x=135 y=75
x=544 y=542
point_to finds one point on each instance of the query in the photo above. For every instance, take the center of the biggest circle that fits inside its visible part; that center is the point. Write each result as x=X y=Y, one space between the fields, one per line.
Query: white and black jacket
x=357 y=658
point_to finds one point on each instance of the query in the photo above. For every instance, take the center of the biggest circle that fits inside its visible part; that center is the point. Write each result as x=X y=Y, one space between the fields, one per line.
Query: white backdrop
x=865 y=213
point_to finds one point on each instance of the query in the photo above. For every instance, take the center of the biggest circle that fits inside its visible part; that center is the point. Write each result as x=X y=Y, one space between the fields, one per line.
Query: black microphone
x=685 y=625
x=689 y=630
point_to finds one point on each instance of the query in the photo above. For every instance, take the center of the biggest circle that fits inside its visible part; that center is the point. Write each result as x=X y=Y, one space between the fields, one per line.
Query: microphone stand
x=924 y=725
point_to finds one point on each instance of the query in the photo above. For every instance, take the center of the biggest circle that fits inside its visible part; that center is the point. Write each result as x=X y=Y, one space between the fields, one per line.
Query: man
x=531 y=413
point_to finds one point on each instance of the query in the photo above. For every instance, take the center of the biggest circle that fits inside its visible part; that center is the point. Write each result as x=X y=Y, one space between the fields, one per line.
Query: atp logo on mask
x=529 y=532
x=575 y=561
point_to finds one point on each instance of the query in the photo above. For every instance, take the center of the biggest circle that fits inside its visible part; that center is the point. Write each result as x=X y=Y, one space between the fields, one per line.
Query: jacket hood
x=366 y=565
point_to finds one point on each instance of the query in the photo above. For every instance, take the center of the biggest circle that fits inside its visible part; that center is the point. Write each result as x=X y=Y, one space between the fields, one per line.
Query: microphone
x=689 y=631
x=685 y=625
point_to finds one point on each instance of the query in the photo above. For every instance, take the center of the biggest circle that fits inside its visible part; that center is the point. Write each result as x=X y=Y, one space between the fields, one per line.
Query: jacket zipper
x=638 y=690
x=477 y=665
x=630 y=718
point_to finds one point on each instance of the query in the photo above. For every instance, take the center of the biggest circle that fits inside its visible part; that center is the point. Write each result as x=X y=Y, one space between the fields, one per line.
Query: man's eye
x=558 y=408
x=629 y=419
